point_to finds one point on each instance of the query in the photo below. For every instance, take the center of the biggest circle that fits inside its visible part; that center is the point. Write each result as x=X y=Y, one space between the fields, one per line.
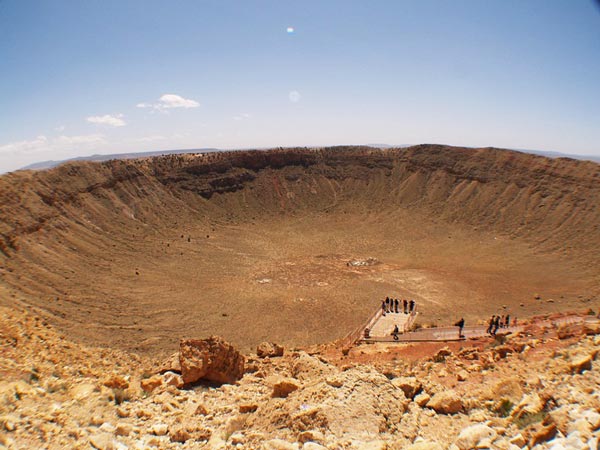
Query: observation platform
x=381 y=325
x=385 y=323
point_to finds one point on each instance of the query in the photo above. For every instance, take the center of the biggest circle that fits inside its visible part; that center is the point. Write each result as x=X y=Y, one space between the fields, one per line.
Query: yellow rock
x=581 y=363
x=82 y=391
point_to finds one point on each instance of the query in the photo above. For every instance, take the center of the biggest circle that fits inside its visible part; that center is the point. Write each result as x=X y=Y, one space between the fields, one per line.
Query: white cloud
x=175 y=101
x=24 y=147
x=60 y=128
x=242 y=116
x=152 y=138
x=15 y=155
x=294 y=96
x=170 y=101
x=79 y=140
x=113 y=121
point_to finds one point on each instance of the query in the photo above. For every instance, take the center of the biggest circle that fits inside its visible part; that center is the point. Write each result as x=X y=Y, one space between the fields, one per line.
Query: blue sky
x=84 y=77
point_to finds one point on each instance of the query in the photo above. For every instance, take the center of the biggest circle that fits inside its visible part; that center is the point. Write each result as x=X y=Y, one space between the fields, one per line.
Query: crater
x=296 y=246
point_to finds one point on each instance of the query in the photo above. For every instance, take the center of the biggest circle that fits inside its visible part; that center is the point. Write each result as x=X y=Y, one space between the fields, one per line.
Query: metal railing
x=359 y=333
x=351 y=338
x=411 y=320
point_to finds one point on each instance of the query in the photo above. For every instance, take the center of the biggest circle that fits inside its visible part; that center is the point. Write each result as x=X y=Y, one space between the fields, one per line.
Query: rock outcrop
x=446 y=402
x=269 y=349
x=210 y=359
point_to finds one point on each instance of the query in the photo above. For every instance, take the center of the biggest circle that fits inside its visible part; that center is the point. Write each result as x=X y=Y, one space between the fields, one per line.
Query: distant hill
x=51 y=163
x=549 y=154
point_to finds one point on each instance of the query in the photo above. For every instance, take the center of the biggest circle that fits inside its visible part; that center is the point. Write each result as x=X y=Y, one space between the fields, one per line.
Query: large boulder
x=150 y=384
x=269 y=349
x=171 y=364
x=529 y=405
x=591 y=327
x=567 y=331
x=508 y=389
x=211 y=359
x=363 y=404
x=539 y=433
x=446 y=402
x=306 y=367
x=581 y=363
x=502 y=351
x=283 y=386
x=425 y=445
x=409 y=385
x=442 y=354
x=478 y=435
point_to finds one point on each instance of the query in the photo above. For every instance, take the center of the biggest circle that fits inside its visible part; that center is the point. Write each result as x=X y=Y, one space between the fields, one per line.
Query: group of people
x=497 y=322
x=393 y=305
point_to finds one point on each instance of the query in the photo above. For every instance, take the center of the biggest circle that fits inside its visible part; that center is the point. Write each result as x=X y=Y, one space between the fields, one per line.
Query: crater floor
x=288 y=280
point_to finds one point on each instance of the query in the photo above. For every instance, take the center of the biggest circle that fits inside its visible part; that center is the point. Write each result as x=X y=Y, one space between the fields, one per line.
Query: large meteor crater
x=296 y=246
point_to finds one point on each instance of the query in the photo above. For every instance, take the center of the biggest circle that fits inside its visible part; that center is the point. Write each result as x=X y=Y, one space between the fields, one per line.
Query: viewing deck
x=381 y=325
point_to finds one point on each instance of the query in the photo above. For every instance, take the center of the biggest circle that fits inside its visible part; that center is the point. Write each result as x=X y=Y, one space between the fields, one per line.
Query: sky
x=110 y=76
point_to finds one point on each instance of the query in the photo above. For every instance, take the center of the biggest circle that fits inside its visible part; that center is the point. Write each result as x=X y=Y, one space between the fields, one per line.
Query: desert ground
x=203 y=301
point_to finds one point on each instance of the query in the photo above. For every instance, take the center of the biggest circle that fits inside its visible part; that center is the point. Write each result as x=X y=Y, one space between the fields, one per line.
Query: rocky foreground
x=537 y=390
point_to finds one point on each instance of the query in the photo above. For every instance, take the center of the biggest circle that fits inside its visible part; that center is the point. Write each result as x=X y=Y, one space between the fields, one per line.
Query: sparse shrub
x=505 y=407
x=590 y=312
x=500 y=339
x=54 y=384
x=34 y=375
x=121 y=395
x=529 y=418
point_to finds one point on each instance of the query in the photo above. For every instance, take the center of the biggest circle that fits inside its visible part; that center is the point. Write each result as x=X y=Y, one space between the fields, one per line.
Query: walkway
x=439 y=334
x=381 y=330
x=381 y=326
x=385 y=324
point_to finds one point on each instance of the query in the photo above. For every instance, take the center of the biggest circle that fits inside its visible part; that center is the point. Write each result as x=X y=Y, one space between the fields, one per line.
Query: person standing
x=383 y=307
x=491 y=325
x=496 y=325
x=387 y=304
x=412 y=306
x=396 y=305
x=460 y=324
x=405 y=306
x=507 y=321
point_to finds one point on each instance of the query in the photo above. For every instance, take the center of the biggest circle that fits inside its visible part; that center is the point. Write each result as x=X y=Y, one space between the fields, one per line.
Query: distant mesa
x=99 y=158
